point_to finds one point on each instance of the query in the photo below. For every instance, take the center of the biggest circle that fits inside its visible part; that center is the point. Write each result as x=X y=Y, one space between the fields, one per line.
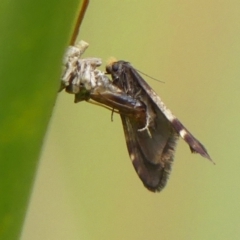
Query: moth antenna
x=150 y=76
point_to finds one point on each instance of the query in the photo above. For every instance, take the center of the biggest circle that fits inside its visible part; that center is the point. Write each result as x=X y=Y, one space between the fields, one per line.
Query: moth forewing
x=152 y=150
x=153 y=175
x=194 y=144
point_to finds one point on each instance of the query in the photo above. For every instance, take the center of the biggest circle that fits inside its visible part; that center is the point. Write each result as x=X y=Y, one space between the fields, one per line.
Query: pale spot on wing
x=183 y=133
x=132 y=157
x=169 y=114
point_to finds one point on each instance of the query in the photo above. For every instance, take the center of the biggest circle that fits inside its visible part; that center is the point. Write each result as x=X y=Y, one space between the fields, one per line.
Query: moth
x=151 y=130
x=151 y=135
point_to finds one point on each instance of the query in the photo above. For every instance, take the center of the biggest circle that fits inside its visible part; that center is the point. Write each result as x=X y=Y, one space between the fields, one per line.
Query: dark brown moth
x=151 y=130
x=151 y=135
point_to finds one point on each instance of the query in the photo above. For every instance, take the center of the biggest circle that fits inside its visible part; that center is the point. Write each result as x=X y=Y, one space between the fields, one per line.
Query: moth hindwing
x=151 y=135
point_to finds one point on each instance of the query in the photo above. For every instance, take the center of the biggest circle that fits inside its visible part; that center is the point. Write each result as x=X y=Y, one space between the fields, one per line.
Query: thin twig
x=79 y=21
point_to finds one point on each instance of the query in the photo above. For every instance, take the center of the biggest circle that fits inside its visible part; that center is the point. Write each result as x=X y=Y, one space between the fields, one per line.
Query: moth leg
x=148 y=120
x=104 y=106
x=112 y=114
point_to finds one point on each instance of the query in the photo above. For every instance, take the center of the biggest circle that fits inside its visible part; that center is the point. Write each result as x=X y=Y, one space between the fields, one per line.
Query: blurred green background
x=86 y=187
x=34 y=35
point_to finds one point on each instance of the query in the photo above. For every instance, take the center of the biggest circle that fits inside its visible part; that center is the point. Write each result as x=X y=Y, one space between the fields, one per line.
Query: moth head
x=112 y=66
